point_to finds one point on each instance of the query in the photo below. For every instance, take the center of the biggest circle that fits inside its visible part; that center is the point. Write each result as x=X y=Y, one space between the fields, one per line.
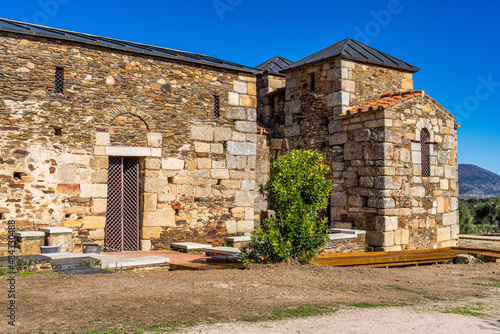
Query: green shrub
x=297 y=191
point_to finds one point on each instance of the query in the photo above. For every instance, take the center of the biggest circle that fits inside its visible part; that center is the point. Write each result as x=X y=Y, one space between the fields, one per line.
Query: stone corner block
x=379 y=238
x=241 y=148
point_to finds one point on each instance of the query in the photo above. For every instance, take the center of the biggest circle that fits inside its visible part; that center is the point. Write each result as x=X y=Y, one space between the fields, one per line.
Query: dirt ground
x=394 y=320
x=165 y=300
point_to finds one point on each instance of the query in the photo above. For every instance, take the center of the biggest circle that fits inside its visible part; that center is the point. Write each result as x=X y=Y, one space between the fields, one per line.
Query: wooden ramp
x=205 y=266
x=403 y=258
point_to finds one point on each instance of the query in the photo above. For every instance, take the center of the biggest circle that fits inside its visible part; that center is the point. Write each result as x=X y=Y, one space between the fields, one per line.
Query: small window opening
x=2 y=216
x=424 y=152
x=216 y=106
x=18 y=175
x=313 y=82
x=68 y=215
x=59 y=80
x=57 y=131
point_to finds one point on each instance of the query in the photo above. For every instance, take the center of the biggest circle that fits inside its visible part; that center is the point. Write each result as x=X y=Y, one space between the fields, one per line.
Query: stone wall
x=262 y=172
x=383 y=190
x=198 y=170
x=373 y=182
x=366 y=82
x=267 y=83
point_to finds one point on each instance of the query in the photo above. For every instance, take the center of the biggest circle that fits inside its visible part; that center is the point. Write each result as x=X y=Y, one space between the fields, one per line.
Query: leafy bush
x=297 y=191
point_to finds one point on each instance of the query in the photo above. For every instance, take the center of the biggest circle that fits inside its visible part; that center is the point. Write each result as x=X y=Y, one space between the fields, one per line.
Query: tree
x=297 y=191
x=466 y=219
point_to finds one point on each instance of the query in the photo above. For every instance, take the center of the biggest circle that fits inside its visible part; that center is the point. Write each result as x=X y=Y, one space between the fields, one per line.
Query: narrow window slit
x=57 y=131
x=424 y=152
x=313 y=82
x=216 y=106
x=59 y=80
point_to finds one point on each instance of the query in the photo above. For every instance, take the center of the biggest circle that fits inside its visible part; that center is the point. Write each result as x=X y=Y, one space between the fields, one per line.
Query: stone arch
x=128 y=130
x=424 y=123
x=121 y=110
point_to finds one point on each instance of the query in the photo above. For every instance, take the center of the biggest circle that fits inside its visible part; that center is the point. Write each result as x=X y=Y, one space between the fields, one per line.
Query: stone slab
x=128 y=151
x=233 y=258
x=244 y=238
x=56 y=230
x=347 y=231
x=134 y=262
x=110 y=262
x=69 y=263
x=189 y=246
x=223 y=250
x=30 y=234
x=341 y=236
x=83 y=271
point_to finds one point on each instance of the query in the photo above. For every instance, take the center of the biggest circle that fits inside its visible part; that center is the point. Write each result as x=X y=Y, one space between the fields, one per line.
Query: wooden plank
x=205 y=266
x=368 y=255
x=416 y=251
x=384 y=259
x=477 y=250
x=402 y=264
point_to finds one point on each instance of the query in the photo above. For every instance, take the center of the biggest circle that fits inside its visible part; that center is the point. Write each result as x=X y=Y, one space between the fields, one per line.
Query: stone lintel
x=128 y=151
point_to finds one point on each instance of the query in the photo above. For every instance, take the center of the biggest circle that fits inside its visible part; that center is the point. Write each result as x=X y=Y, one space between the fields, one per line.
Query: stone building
x=135 y=146
x=392 y=150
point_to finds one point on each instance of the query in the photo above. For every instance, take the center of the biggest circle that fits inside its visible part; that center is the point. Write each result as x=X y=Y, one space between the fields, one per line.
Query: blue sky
x=456 y=44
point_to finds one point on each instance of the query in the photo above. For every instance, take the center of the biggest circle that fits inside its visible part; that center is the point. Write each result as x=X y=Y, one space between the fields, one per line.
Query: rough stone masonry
x=191 y=120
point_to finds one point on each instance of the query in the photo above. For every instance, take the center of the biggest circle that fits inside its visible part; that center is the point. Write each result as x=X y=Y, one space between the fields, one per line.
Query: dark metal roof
x=36 y=30
x=352 y=49
x=274 y=65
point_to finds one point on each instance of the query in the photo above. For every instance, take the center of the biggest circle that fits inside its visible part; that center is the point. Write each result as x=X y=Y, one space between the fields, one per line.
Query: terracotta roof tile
x=385 y=101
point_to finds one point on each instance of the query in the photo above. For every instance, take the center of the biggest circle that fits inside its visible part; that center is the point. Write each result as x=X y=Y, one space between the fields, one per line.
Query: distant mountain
x=475 y=181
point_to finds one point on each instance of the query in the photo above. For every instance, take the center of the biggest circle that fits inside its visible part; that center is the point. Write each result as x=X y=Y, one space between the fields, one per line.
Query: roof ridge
x=113 y=43
x=97 y=36
x=360 y=52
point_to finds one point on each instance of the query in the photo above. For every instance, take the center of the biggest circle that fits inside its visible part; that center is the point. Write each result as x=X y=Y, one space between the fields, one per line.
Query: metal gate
x=122 y=214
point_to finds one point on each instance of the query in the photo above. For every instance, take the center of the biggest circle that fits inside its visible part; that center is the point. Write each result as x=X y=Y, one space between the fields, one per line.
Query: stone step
x=83 y=271
x=347 y=231
x=110 y=262
x=146 y=261
x=233 y=258
x=188 y=247
x=74 y=262
x=340 y=236
x=224 y=250
x=237 y=241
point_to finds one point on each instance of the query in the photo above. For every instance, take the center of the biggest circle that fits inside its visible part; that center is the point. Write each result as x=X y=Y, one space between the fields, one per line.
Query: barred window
x=424 y=152
x=216 y=106
x=59 y=80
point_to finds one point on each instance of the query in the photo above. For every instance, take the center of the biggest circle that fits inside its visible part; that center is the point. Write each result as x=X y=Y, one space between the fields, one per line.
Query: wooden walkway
x=403 y=258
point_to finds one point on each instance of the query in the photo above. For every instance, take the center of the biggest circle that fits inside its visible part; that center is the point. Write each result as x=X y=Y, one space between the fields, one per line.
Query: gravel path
x=395 y=320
